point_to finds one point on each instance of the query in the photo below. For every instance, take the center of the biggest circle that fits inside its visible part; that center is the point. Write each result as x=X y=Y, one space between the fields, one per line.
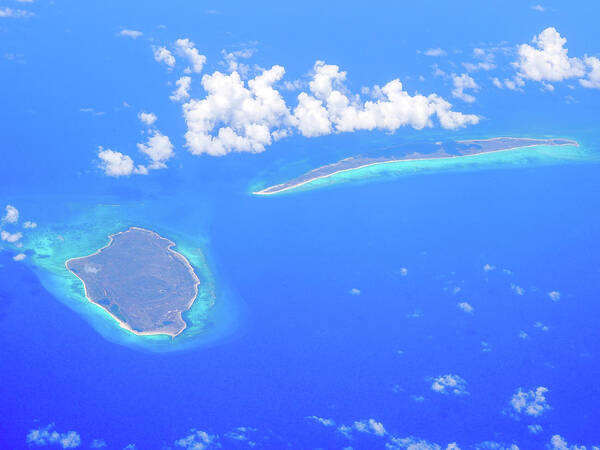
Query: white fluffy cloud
x=19 y=257
x=450 y=384
x=158 y=148
x=163 y=55
x=147 y=118
x=592 y=79
x=462 y=82
x=186 y=48
x=11 y=238
x=394 y=107
x=134 y=34
x=48 y=436
x=236 y=116
x=531 y=403
x=29 y=224
x=548 y=60
x=248 y=116
x=182 y=90
x=12 y=214
x=116 y=164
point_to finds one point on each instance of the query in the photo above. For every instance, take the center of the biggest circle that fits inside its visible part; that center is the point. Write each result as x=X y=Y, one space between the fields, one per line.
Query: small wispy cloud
x=11 y=13
x=435 y=52
x=466 y=307
x=133 y=34
x=450 y=384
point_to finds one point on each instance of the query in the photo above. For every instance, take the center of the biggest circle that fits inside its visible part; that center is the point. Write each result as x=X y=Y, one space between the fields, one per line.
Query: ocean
x=338 y=302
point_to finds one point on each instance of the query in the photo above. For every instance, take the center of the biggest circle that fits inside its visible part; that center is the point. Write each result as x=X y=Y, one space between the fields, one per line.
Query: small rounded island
x=140 y=280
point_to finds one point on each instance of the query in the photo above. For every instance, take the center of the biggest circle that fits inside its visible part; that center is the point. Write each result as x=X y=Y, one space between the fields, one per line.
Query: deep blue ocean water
x=339 y=302
x=302 y=345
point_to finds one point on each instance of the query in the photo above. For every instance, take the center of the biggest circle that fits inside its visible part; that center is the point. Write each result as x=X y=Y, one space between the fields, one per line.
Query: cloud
x=147 y=118
x=541 y=326
x=14 y=13
x=466 y=307
x=517 y=289
x=489 y=268
x=91 y=111
x=354 y=291
x=535 y=429
x=12 y=214
x=557 y=442
x=592 y=79
x=158 y=148
x=393 y=109
x=370 y=426
x=19 y=257
x=435 y=52
x=48 y=436
x=461 y=83
x=29 y=224
x=532 y=403
x=163 y=55
x=412 y=443
x=182 y=90
x=249 y=116
x=539 y=8
x=450 y=384
x=322 y=421
x=485 y=60
x=514 y=84
x=196 y=440
x=492 y=445
x=232 y=63
x=11 y=238
x=98 y=443
x=134 y=34
x=186 y=48
x=90 y=268
x=523 y=335
x=547 y=60
x=403 y=271
x=116 y=164
x=554 y=295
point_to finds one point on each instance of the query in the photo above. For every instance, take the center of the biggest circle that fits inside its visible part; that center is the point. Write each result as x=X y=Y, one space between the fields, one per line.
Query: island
x=438 y=150
x=140 y=281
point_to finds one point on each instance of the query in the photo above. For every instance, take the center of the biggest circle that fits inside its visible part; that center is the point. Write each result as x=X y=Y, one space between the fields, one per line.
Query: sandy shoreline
x=123 y=324
x=262 y=192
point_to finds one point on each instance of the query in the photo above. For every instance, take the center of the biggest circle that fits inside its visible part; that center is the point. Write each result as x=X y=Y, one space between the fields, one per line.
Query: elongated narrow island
x=439 y=150
x=140 y=280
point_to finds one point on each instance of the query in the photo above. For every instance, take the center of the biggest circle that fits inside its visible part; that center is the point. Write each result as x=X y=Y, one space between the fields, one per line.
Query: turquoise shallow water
x=515 y=158
x=85 y=231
